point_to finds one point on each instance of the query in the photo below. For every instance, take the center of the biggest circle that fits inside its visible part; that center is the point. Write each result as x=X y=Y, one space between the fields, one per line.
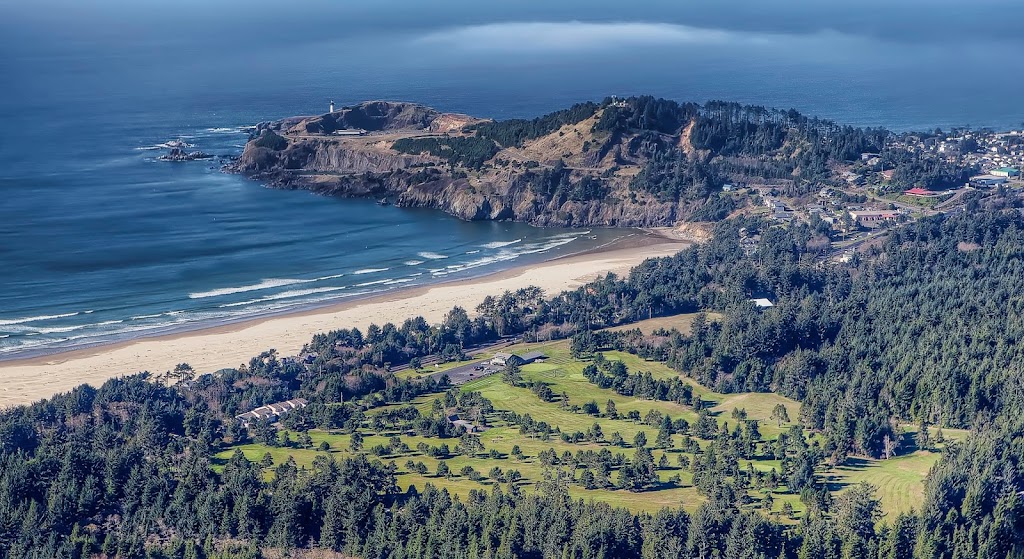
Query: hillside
x=634 y=162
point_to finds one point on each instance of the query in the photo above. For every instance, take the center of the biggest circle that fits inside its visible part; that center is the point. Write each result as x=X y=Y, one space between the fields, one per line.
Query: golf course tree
x=512 y=373
x=780 y=414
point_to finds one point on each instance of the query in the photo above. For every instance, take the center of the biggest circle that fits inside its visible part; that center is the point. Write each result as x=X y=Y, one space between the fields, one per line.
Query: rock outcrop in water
x=179 y=154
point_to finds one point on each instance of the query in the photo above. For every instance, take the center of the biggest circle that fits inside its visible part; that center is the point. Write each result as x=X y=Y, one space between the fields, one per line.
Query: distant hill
x=630 y=162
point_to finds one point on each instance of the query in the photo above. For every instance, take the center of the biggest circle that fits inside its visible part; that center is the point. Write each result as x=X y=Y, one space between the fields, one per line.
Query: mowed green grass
x=563 y=374
x=499 y=438
x=899 y=481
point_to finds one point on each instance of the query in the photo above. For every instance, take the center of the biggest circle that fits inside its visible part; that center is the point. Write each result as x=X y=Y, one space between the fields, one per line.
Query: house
x=921 y=193
x=866 y=218
x=533 y=356
x=503 y=359
x=1006 y=172
x=455 y=420
x=762 y=303
x=271 y=411
x=987 y=181
x=782 y=215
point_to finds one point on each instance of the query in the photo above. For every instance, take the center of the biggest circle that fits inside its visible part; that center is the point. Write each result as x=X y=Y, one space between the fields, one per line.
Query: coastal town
x=864 y=200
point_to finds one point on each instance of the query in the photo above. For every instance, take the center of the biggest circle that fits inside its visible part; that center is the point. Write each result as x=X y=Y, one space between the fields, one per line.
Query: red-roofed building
x=922 y=193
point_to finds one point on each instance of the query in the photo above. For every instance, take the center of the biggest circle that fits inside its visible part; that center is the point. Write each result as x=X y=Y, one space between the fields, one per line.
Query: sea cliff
x=636 y=162
x=352 y=153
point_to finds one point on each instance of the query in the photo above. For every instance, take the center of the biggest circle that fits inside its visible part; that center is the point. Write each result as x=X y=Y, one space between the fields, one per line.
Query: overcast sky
x=113 y=22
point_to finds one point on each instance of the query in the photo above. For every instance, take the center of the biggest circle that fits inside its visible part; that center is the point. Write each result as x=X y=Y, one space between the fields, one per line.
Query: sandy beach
x=210 y=349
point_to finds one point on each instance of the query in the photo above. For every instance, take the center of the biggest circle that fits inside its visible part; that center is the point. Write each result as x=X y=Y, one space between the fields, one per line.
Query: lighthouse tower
x=332 y=106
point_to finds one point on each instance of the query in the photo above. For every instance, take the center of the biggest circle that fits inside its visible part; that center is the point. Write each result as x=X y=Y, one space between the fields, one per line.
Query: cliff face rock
x=413 y=155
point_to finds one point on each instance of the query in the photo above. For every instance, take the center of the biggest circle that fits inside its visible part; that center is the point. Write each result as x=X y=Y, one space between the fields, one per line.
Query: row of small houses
x=271 y=411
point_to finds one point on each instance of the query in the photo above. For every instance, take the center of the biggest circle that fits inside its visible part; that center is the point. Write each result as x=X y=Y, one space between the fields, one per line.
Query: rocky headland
x=637 y=162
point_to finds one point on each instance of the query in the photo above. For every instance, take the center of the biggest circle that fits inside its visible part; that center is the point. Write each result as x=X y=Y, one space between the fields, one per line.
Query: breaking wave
x=431 y=255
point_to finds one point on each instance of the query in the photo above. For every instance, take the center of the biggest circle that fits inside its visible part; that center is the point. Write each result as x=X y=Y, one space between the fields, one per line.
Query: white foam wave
x=146 y=316
x=265 y=284
x=378 y=282
x=63 y=329
x=574 y=235
x=505 y=255
x=40 y=318
x=412 y=262
x=283 y=295
x=431 y=255
x=369 y=271
x=234 y=130
x=499 y=244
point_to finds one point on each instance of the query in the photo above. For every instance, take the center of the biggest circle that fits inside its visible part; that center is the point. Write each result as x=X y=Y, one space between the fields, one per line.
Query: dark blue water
x=98 y=240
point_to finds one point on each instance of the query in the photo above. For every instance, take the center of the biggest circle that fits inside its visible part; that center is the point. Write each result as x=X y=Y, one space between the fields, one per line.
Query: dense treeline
x=924 y=329
x=914 y=170
x=514 y=132
x=123 y=471
x=672 y=176
x=467 y=151
x=730 y=139
x=556 y=183
x=347 y=350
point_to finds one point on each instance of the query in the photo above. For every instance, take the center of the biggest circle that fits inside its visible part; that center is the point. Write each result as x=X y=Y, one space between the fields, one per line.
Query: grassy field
x=899 y=480
x=681 y=322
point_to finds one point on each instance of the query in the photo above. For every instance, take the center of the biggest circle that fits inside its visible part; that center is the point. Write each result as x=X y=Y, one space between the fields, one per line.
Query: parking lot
x=468 y=371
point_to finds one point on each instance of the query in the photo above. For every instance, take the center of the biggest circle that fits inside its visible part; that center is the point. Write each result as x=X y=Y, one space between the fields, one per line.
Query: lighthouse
x=332 y=106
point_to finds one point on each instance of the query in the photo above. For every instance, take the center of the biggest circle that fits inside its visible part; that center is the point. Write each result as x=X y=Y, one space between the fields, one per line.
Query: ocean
x=100 y=241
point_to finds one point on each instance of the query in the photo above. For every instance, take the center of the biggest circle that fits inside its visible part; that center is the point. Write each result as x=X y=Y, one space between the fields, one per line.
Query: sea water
x=100 y=241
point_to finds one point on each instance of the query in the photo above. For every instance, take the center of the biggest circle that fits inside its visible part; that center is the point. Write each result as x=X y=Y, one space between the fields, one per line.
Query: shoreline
x=167 y=331
x=207 y=349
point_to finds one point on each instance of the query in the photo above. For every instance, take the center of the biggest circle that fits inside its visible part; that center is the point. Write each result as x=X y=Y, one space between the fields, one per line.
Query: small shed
x=762 y=303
